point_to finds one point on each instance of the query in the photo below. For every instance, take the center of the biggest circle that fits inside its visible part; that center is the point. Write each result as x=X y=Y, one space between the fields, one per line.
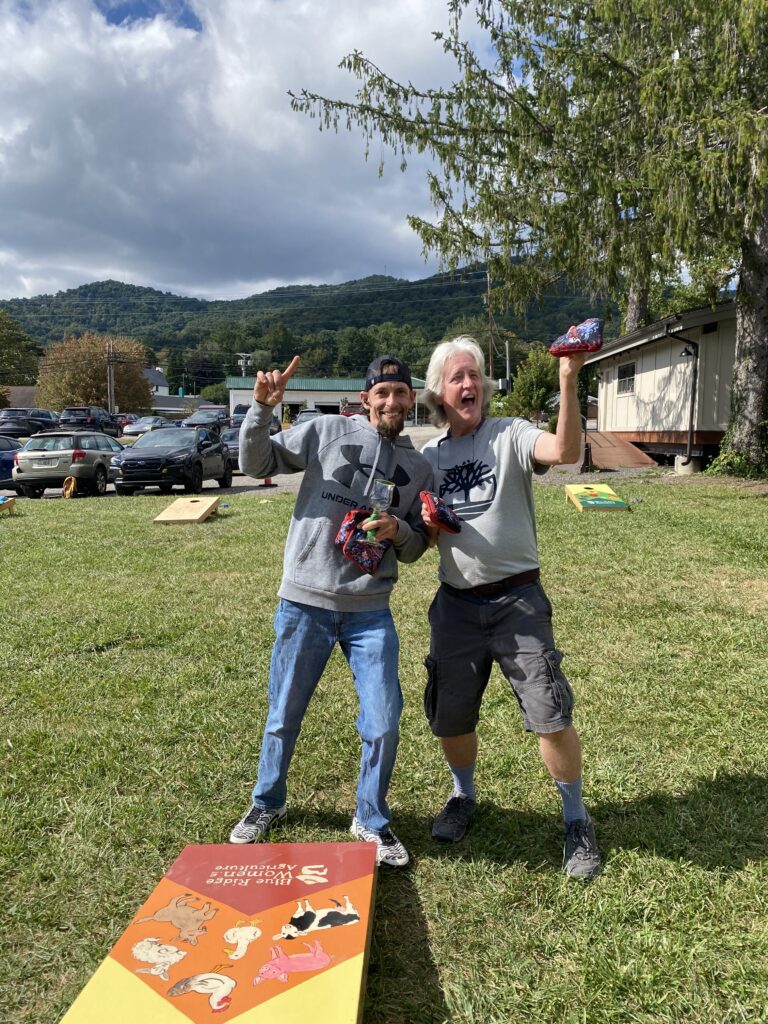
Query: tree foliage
x=18 y=358
x=535 y=382
x=606 y=141
x=74 y=372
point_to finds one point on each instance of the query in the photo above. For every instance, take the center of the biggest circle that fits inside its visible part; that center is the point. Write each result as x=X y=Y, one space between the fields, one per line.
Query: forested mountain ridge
x=165 y=321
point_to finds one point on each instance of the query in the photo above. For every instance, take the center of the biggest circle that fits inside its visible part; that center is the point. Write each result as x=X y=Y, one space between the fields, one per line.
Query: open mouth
x=468 y=400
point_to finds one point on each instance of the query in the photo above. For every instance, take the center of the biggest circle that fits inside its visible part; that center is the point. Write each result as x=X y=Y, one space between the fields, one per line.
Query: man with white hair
x=491 y=605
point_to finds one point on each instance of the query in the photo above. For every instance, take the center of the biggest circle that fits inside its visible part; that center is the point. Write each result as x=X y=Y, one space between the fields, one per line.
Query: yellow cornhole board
x=7 y=504
x=188 y=510
x=594 y=496
x=271 y=933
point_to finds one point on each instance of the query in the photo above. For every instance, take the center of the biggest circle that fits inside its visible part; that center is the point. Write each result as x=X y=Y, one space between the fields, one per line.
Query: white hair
x=433 y=393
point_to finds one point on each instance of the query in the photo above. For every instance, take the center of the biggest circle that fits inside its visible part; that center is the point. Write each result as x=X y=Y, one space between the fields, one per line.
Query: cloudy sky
x=152 y=141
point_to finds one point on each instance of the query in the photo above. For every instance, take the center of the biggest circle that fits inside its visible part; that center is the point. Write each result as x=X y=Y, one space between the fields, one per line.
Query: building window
x=626 y=379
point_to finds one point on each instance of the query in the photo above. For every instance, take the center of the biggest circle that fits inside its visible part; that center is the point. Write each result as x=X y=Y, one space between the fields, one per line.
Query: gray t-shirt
x=486 y=478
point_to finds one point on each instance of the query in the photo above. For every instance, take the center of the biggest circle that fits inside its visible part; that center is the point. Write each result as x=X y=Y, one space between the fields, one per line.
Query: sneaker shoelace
x=578 y=833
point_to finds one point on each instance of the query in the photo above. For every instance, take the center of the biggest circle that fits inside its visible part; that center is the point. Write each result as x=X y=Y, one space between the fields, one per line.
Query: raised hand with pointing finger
x=270 y=386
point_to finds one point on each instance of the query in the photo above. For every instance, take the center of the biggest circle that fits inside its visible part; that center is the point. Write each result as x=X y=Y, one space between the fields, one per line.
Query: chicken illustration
x=216 y=986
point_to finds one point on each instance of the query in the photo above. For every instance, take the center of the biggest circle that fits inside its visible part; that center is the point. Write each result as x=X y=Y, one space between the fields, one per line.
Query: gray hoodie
x=340 y=456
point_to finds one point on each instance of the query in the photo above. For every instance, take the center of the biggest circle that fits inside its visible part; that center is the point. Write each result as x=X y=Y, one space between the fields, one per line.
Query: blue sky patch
x=122 y=12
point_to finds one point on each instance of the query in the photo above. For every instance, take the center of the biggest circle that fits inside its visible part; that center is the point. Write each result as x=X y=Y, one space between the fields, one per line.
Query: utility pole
x=110 y=377
x=490 y=326
x=243 y=361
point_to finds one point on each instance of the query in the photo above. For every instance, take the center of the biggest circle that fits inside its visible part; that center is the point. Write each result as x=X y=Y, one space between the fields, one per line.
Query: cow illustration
x=190 y=921
x=307 y=919
x=281 y=965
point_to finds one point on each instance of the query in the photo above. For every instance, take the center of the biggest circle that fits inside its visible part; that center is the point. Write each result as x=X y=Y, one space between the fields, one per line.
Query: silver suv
x=46 y=460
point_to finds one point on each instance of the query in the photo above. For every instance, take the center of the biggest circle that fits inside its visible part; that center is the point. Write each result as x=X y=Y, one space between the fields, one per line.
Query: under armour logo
x=345 y=475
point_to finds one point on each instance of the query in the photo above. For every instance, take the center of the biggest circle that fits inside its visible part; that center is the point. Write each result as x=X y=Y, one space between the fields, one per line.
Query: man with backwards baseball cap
x=324 y=597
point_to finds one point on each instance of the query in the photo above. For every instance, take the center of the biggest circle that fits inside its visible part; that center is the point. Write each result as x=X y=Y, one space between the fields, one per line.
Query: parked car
x=238 y=414
x=8 y=447
x=231 y=438
x=47 y=459
x=124 y=419
x=26 y=422
x=352 y=409
x=162 y=458
x=306 y=415
x=141 y=426
x=92 y=417
x=216 y=418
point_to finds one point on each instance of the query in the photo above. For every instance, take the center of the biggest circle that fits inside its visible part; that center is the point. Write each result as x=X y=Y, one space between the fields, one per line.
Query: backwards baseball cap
x=396 y=370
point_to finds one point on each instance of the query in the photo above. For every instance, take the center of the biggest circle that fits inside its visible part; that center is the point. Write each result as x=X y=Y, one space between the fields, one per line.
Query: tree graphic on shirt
x=463 y=478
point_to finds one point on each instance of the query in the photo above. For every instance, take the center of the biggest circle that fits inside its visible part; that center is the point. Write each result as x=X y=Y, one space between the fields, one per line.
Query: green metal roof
x=345 y=384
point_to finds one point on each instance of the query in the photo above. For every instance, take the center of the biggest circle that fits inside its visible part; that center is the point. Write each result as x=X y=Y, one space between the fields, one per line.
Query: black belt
x=499 y=587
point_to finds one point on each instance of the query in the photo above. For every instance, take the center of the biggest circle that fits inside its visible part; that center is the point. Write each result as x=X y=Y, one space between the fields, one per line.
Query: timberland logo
x=475 y=482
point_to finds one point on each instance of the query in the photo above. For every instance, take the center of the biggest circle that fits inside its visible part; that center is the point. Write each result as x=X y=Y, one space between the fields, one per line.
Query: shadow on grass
x=716 y=824
x=403 y=982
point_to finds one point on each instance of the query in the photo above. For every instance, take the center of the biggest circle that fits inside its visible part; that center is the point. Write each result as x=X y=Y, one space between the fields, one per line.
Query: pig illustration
x=281 y=965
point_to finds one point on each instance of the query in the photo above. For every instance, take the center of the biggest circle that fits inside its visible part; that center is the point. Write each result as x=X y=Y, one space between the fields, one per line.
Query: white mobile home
x=666 y=387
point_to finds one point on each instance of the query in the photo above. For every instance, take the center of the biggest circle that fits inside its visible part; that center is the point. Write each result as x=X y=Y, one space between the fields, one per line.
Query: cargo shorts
x=468 y=633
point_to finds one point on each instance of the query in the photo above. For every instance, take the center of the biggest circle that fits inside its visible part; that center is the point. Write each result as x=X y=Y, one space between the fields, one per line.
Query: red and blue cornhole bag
x=440 y=514
x=352 y=543
x=585 y=337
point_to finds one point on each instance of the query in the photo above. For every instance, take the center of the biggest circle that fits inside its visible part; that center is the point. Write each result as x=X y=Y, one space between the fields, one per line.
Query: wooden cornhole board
x=188 y=510
x=7 y=504
x=221 y=917
x=594 y=496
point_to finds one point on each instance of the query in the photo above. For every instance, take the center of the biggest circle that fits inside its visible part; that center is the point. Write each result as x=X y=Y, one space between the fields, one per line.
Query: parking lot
x=287 y=484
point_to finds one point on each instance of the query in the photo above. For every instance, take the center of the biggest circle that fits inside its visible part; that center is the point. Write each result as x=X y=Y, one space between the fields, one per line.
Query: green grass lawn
x=134 y=661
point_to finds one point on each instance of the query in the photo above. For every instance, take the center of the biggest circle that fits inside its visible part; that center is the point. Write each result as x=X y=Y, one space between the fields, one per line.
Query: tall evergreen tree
x=605 y=140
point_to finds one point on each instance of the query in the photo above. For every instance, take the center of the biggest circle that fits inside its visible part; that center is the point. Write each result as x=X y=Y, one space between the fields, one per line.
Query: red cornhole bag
x=440 y=514
x=585 y=337
x=351 y=540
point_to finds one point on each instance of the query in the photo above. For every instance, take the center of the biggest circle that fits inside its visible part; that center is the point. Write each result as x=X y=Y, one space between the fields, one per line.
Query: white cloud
x=159 y=155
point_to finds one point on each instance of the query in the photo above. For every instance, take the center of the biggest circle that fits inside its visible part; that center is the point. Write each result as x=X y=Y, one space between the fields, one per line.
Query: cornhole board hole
x=273 y=933
x=188 y=510
x=7 y=504
x=594 y=496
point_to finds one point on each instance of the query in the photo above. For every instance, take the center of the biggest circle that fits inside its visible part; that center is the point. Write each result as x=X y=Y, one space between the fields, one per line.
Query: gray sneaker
x=452 y=822
x=389 y=849
x=581 y=857
x=255 y=825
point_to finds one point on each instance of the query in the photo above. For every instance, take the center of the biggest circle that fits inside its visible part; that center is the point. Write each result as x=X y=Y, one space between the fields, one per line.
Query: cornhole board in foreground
x=188 y=510
x=7 y=504
x=273 y=933
x=594 y=496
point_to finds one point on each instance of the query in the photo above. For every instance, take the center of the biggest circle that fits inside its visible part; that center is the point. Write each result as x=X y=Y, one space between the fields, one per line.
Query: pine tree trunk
x=748 y=431
x=637 y=308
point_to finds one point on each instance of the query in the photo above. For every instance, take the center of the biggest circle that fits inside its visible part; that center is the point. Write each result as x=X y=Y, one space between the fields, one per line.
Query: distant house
x=157 y=382
x=666 y=388
x=328 y=394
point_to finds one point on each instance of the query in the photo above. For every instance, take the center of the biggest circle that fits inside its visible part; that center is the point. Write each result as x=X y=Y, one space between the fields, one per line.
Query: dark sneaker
x=255 y=825
x=452 y=822
x=581 y=857
x=389 y=849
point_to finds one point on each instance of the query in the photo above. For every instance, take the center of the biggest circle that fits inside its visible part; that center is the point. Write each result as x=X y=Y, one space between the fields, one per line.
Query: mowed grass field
x=134 y=663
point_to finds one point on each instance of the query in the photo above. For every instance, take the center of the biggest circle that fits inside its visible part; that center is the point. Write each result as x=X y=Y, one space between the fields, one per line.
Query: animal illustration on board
x=281 y=964
x=306 y=919
x=189 y=920
x=161 y=956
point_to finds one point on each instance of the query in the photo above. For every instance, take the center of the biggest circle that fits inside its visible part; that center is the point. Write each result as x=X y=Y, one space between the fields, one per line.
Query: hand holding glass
x=381 y=498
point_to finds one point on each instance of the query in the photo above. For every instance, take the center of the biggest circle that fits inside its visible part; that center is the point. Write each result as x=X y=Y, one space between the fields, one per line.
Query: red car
x=352 y=409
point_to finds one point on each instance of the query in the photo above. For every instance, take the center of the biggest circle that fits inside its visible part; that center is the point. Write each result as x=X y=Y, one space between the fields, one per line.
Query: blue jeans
x=305 y=640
